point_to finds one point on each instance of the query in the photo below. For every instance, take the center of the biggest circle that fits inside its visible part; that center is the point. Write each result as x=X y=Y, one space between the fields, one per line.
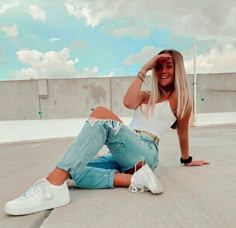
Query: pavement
x=194 y=196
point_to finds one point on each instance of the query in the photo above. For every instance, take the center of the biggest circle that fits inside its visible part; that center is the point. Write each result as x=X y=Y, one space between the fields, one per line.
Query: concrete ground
x=194 y=196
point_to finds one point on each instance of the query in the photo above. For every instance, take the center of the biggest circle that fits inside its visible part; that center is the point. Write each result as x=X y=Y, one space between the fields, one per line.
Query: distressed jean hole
x=121 y=144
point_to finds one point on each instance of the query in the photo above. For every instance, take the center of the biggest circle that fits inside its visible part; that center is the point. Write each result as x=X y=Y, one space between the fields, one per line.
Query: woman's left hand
x=197 y=163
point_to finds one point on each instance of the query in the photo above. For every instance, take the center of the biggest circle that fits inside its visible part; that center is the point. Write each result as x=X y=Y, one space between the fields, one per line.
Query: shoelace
x=38 y=186
x=135 y=189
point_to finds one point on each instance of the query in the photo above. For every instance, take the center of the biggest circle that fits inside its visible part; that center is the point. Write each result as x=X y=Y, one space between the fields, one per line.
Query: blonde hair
x=180 y=86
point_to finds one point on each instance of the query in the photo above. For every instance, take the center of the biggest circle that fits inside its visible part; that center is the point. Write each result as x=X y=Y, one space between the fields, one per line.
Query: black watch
x=186 y=161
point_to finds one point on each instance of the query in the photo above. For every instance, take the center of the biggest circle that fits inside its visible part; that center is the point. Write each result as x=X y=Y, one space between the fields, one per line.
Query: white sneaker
x=41 y=196
x=145 y=179
x=71 y=183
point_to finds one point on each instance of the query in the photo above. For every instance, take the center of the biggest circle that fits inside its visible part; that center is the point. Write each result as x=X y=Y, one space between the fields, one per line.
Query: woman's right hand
x=197 y=163
x=153 y=62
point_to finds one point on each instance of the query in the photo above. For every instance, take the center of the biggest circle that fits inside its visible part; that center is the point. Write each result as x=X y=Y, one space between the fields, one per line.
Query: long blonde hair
x=180 y=86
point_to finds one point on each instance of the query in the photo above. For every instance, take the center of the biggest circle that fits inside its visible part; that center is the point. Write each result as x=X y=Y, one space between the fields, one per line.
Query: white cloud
x=30 y=56
x=46 y=65
x=219 y=59
x=10 y=31
x=216 y=61
x=89 y=72
x=122 y=10
x=92 y=72
x=103 y=9
x=37 y=13
x=28 y=73
x=143 y=56
x=52 y=40
x=51 y=65
x=202 y=19
x=4 y=8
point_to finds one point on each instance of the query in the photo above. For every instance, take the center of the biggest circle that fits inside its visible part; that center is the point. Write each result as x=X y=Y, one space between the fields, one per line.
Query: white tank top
x=158 y=123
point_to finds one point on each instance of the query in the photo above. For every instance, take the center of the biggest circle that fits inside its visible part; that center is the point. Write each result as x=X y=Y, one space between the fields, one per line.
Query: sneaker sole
x=22 y=211
x=155 y=185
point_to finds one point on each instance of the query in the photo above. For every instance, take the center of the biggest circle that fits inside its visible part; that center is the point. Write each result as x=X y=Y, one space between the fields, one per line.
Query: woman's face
x=165 y=69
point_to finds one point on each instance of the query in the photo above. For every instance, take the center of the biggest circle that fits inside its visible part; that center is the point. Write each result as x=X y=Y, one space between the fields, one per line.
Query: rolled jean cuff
x=104 y=181
x=61 y=165
x=111 y=178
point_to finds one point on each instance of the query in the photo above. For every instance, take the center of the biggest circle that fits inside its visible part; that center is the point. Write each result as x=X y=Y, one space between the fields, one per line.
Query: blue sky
x=91 y=38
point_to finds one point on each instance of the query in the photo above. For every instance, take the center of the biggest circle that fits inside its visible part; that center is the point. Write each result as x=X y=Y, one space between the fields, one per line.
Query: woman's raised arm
x=134 y=96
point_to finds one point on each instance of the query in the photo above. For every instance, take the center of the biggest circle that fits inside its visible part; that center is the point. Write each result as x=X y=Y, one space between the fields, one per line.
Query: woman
x=133 y=149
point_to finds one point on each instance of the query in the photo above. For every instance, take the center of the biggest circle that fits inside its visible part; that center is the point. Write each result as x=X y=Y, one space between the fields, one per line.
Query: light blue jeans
x=127 y=148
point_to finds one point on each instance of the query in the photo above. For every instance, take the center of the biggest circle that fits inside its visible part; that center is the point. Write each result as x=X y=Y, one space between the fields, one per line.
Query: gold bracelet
x=142 y=74
x=140 y=77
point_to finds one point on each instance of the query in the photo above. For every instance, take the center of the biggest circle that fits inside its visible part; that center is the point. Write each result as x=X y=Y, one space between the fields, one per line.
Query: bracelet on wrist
x=140 y=78
x=141 y=75
x=186 y=161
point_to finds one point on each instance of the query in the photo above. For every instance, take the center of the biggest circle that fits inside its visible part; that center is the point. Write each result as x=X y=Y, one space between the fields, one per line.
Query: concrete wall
x=19 y=100
x=74 y=98
x=216 y=93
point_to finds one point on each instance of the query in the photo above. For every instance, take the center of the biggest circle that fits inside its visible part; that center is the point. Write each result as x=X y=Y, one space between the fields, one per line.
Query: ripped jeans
x=127 y=148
